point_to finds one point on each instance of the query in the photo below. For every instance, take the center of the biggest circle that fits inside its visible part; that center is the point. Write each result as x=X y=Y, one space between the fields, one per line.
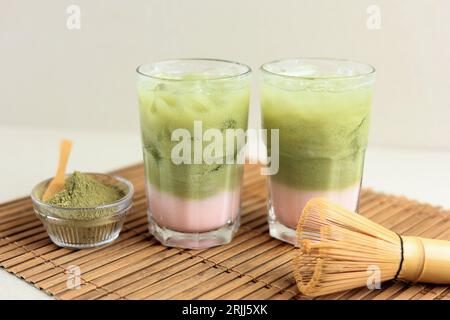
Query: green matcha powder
x=82 y=191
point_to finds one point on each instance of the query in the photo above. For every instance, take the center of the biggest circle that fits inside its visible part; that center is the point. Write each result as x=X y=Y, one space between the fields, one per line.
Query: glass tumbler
x=190 y=110
x=321 y=108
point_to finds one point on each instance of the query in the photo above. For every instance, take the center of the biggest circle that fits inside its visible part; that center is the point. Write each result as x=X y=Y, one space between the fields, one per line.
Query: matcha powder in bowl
x=83 y=191
x=88 y=212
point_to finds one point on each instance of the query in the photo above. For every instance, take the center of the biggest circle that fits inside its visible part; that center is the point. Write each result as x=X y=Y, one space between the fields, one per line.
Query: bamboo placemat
x=253 y=266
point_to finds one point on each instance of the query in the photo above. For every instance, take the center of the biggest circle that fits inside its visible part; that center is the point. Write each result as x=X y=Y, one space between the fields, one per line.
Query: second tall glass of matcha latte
x=321 y=108
x=193 y=120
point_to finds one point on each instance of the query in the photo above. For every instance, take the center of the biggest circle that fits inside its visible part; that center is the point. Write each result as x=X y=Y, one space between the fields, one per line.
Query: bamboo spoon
x=57 y=184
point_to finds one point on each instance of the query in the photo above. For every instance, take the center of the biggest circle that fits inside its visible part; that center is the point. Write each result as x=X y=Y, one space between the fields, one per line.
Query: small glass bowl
x=81 y=228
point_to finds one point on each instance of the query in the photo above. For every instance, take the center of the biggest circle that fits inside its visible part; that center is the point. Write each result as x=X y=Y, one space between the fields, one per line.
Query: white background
x=80 y=84
x=52 y=76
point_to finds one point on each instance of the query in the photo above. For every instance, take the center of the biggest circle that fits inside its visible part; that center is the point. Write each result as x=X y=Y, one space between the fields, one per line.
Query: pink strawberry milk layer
x=288 y=203
x=193 y=215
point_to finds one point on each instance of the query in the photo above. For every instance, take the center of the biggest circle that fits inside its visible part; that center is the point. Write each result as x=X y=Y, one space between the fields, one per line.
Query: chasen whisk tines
x=339 y=250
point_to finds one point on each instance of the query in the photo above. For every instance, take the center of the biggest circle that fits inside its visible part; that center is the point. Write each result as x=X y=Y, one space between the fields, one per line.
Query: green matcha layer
x=323 y=135
x=166 y=106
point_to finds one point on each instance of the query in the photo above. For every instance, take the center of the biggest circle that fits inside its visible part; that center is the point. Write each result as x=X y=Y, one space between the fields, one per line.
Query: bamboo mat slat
x=252 y=266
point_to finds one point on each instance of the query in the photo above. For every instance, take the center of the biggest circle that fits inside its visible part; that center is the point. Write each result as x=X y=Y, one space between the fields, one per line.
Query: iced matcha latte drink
x=193 y=188
x=321 y=108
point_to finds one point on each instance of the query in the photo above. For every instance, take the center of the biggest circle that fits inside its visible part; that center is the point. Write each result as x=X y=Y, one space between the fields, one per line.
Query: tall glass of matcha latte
x=193 y=115
x=321 y=108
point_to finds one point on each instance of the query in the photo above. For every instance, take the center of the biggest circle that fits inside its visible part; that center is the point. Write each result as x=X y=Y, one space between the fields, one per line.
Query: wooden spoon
x=57 y=184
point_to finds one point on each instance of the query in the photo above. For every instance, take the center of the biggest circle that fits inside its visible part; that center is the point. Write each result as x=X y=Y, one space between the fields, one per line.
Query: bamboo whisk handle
x=425 y=260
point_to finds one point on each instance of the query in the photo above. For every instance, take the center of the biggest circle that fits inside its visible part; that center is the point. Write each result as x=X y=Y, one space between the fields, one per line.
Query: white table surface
x=29 y=155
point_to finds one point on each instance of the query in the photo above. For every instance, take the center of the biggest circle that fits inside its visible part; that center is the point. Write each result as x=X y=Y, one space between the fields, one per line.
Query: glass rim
x=118 y=214
x=247 y=71
x=371 y=69
x=127 y=197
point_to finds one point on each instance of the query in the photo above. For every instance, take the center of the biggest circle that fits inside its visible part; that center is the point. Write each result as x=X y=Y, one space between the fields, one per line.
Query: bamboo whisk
x=340 y=250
